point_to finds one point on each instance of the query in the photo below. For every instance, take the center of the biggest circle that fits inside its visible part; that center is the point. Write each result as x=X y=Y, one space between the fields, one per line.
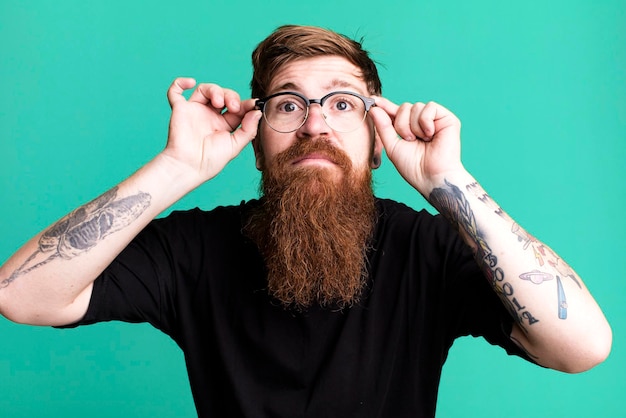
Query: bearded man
x=318 y=299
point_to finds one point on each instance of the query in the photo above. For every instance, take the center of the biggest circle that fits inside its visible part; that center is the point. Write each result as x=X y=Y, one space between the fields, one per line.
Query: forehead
x=318 y=75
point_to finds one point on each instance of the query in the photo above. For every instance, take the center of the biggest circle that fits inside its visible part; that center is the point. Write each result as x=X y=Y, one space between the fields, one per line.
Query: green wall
x=539 y=85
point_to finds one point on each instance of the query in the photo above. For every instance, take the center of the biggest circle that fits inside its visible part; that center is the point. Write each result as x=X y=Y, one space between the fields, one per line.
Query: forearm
x=557 y=320
x=48 y=281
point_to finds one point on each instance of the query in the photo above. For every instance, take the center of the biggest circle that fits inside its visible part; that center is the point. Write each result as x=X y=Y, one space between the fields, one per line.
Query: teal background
x=541 y=90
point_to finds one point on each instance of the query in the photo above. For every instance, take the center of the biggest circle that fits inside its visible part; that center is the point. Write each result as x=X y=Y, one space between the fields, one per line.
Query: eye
x=287 y=105
x=343 y=103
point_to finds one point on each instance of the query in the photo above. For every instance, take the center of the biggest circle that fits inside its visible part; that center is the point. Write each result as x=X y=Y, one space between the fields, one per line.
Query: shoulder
x=391 y=212
x=399 y=222
x=389 y=207
x=220 y=215
x=223 y=222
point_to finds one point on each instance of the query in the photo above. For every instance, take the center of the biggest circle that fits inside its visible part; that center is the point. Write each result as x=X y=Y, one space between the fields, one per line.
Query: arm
x=557 y=321
x=49 y=280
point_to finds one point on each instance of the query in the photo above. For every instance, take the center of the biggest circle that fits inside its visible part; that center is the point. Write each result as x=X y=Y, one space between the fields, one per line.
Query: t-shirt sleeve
x=474 y=306
x=141 y=284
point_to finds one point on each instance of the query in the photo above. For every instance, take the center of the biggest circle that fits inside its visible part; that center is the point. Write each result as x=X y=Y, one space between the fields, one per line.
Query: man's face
x=314 y=78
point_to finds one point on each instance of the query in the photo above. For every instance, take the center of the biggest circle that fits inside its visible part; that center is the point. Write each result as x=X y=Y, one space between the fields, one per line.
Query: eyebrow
x=333 y=84
x=343 y=84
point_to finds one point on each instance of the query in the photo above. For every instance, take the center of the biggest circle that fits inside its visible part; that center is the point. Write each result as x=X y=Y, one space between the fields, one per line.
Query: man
x=318 y=299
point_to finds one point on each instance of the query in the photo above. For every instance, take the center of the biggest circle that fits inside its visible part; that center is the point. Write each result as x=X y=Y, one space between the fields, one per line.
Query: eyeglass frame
x=260 y=104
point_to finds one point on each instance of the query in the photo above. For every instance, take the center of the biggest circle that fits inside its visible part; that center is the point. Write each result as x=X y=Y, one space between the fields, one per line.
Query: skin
x=315 y=78
x=51 y=285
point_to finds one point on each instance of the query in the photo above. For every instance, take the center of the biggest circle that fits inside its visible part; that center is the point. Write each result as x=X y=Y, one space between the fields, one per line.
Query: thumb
x=176 y=89
x=385 y=129
x=248 y=129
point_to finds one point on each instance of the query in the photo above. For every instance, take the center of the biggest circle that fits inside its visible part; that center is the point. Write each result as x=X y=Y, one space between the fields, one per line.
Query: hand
x=203 y=133
x=421 y=140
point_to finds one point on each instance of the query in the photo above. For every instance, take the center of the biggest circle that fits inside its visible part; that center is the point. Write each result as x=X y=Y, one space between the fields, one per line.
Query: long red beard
x=314 y=230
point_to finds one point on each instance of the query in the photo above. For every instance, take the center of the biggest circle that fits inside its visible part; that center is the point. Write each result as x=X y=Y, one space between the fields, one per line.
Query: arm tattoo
x=82 y=229
x=538 y=277
x=562 y=299
x=544 y=256
x=481 y=195
x=453 y=204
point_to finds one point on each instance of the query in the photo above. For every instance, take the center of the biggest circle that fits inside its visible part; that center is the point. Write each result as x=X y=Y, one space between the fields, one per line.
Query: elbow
x=5 y=310
x=13 y=317
x=31 y=317
x=35 y=311
x=13 y=311
x=43 y=306
x=17 y=315
x=595 y=351
x=8 y=308
x=21 y=310
x=602 y=350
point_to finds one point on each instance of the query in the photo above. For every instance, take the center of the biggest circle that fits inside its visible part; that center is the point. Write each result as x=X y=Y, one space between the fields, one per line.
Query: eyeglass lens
x=288 y=112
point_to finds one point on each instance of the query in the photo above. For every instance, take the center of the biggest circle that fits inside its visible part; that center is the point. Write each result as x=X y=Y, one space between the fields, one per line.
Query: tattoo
x=563 y=269
x=536 y=276
x=481 y=195
x=522 y=236
x=82 y=229
x=453 y=204
x=562 y=299
x=542 y=254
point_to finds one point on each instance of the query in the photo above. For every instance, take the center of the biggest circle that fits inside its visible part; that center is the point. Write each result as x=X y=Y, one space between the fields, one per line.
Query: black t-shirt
x=194 y=276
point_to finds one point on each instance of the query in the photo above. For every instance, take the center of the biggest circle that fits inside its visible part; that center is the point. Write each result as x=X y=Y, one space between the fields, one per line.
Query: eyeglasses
x=287 y=111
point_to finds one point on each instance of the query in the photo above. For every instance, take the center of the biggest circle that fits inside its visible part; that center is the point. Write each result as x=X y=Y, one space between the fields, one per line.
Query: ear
x=258 y=153
x=377 y=151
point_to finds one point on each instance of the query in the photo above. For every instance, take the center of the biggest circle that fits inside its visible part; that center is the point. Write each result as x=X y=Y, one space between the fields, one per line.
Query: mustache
x=302 y=148
x=314 y=231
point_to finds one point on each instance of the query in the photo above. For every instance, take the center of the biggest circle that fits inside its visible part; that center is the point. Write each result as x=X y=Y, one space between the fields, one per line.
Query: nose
x=315 y=124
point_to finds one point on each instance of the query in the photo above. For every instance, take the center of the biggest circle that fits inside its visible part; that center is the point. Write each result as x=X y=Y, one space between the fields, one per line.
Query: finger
x=426 y=120
x=232 y=101
x=234 y=118
x=387 y=105
x=217 y=97
x=207 y=93
x=175 y=91
x=418 y=125
x=402 y=123
x=384 y=127
x=247 y=131
x=248 y=105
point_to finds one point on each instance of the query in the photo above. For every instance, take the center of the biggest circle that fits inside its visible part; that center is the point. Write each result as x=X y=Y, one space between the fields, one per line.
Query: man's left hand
x=421 y=140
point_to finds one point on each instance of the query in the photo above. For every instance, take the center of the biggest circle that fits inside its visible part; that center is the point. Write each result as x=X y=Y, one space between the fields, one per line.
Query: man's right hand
x=209 y=129
x=47 y=283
